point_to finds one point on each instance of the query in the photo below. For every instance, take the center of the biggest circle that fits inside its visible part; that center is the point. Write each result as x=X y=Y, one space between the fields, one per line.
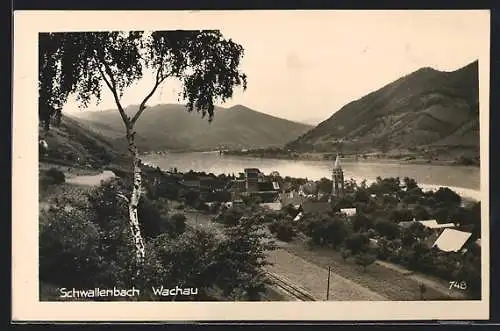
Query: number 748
x=461 y=285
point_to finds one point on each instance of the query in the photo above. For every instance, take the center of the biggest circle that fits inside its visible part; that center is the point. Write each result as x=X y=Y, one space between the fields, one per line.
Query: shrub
x=56 y=176
x=230 y=217
x=346 y=253
x=365 y=259
x=388 y=229
x=202 y=206
x=178 y=222
x=283 y=230
x=357 y=243
x=69 y=249
x=152 y=222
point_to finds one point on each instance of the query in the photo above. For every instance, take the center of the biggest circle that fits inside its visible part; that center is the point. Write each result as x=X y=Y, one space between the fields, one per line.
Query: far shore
x=321 y=157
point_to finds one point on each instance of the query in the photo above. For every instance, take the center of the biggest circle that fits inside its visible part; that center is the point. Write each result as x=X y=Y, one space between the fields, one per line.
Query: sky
x=304 y=66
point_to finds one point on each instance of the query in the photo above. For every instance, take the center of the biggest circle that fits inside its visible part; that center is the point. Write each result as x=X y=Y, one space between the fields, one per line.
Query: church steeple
x=337 y=163
x=337 y=179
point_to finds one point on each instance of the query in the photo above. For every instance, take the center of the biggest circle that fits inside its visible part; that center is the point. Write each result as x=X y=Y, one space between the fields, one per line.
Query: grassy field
x=386 y=281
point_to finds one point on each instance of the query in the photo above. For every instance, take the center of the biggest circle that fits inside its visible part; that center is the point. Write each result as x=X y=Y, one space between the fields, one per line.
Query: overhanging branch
x=110 y=82
x=159 y=79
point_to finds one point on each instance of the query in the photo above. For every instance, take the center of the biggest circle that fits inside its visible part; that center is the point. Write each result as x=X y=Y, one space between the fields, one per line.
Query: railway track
x=279 y=281
x=293 y=290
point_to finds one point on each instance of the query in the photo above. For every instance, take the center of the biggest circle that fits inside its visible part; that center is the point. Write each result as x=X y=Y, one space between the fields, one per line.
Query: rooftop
x=312 y=206
x=433 y=224
x=452 y=240
x=272 y=205
x=252 y=170
x=337 y=163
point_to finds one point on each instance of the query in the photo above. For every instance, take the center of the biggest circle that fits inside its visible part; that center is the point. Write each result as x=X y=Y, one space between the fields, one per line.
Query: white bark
x=134 y=200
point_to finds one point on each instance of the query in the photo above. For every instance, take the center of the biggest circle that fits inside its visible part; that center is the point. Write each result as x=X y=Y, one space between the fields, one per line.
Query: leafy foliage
x=78 y=62
x=243 y=252
x=89 y=246
x=56 y=176
x=357 y=243
x=283 y=230
x=365 y=259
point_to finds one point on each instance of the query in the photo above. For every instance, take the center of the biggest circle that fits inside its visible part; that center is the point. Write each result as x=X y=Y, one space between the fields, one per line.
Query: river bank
x=311 y=156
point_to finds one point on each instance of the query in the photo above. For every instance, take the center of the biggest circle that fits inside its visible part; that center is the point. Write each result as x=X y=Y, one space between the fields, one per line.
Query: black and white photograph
x=194 y=158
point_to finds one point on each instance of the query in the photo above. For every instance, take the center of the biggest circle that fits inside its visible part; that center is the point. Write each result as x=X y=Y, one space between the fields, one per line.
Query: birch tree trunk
x=134 y=200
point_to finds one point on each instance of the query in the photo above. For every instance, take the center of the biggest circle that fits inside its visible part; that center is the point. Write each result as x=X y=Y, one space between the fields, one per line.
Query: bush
x=365 y=259
x=230 y=217
x=388 y=229
x=152 y=222
x=178 y=222
x=69 y=249
x=202 y=206
x=357 y=243
x=283 y=230
x=91 y=247
x=346 y=253
x=56 y=176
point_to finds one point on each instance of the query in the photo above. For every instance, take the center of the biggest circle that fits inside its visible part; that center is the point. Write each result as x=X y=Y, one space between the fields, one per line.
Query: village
x=275 y=193
x=224 y=207
x=391 y=221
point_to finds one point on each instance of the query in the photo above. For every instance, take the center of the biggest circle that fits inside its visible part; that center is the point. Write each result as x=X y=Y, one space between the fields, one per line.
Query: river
x=464 y=180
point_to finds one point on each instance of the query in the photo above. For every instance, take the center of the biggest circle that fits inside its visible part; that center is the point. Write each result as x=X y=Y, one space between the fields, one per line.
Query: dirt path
x=90 y=180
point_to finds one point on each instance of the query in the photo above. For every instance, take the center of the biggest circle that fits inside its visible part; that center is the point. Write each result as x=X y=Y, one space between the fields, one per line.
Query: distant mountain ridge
x=425 y=110
x=172 y=127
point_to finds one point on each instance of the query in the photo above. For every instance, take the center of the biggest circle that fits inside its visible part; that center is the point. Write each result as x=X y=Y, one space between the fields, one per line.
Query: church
x=337 y=179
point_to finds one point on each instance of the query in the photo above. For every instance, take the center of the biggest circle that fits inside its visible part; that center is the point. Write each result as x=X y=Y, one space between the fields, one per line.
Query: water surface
x=465 y=180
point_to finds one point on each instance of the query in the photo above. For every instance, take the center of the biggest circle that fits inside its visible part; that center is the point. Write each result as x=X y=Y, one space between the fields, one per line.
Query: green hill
x=171 y=127
x=70 y=143
x=427 y=110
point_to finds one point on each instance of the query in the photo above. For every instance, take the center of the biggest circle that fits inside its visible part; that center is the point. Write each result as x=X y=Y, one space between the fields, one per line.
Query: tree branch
x=111 y=83
x=159 y=79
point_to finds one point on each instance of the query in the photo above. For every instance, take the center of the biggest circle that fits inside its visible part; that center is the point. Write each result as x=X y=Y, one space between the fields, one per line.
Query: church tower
x=337 y=179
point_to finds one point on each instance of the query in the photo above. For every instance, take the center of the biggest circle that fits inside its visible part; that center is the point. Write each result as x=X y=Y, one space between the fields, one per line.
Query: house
x=276 y=206
x=211 y=184
x=316 y=207
x=265 y=186
x=309 y=188
x=237 y=203
x=252 y=178
x=293 y=199
x=287 y=186
x=452 y=240
x=191 y=183
x=434 y=225
x=348 y=211
x=236 y=188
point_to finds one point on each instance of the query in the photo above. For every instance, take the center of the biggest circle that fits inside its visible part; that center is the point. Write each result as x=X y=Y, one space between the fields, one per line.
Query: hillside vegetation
x=171 y=127
x=70 y=143
x=427 y=111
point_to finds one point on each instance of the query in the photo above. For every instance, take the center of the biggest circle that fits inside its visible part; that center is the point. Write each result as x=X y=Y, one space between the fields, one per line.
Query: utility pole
x=328 y=285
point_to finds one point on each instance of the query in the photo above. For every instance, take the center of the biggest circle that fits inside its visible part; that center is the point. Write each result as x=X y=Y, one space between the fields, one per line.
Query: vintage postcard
x=251 y=165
